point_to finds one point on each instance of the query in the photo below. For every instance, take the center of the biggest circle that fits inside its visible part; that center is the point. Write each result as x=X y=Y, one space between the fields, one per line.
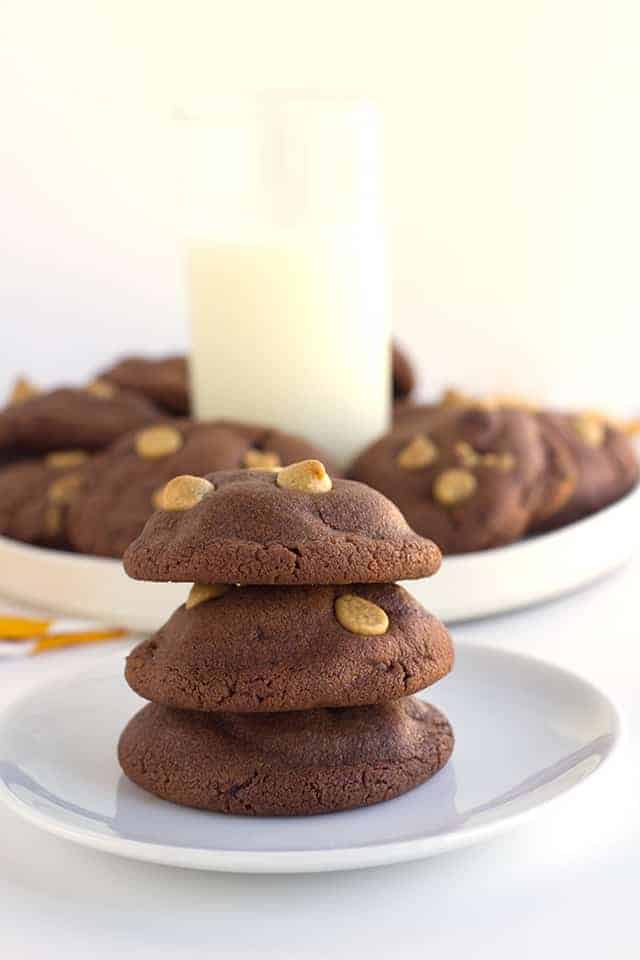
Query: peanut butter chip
x=201 y=592
x=185 y=492
x=590 y=428
x=360 y=616
x=260 y=459
x=452 y=397
x=61 y=459
x=417 y=454
x=100 y=388
x=466 y=453
x=501 y=461
x=157 y=498
x=513 y=401
x=158 y=441
x=308 y=476
x=492 y=401
x=64 y=489
x=53 y=519
x=471 y=457
x=453 y=486
x=22 y=390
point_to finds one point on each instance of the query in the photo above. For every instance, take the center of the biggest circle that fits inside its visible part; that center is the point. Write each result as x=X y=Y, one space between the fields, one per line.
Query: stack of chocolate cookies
x=284 y=684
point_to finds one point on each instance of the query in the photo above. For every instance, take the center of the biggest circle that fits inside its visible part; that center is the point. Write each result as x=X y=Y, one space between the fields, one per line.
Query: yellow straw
x=22 y=628
x=57 y=640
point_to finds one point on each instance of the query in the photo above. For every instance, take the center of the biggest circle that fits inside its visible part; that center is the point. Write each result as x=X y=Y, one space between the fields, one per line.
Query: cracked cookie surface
x=263 y=649
x=314 y=761
x=249 y=530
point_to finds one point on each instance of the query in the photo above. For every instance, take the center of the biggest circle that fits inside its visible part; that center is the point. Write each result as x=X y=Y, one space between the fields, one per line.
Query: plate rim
x=313 y=860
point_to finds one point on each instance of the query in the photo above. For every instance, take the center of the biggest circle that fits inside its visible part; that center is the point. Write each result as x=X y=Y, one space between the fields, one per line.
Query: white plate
x=526 y=733
x=468 y=586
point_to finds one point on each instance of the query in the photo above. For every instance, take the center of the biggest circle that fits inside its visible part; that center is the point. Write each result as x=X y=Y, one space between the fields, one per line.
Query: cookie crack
x=235 y=788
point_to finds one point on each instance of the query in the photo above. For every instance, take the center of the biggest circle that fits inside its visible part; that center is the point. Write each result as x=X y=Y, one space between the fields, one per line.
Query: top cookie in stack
x=271 y=526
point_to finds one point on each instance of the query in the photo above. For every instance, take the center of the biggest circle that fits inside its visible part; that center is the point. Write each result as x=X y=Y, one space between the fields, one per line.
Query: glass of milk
x=286 y=272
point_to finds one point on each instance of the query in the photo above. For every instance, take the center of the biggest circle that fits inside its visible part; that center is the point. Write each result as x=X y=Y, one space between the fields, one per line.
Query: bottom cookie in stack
x=301 y=762
x=286 y=699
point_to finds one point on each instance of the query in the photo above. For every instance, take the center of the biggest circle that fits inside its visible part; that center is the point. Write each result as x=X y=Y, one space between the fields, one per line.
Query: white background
x=514 y=204
x=512 y=174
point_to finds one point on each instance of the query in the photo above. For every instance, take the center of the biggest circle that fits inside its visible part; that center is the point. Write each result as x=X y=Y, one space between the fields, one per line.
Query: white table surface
x=565 y=886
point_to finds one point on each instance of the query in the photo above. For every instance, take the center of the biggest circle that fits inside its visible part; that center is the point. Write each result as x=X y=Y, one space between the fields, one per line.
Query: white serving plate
x=468 y=586
x=546 y=732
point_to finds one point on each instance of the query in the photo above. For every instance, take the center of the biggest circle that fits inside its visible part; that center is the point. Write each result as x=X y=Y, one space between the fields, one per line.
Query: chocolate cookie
x=559 y=479
x=164 y=380
x=35 y=496
x=21 y=390
x=285 y=764
x=125 y=483
x=413 y=414
x=469 y=478
x=266 y=649
x=8 y=453
x=403 y=378
x=605 y=465
x=64 y=419
x=292 y=526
